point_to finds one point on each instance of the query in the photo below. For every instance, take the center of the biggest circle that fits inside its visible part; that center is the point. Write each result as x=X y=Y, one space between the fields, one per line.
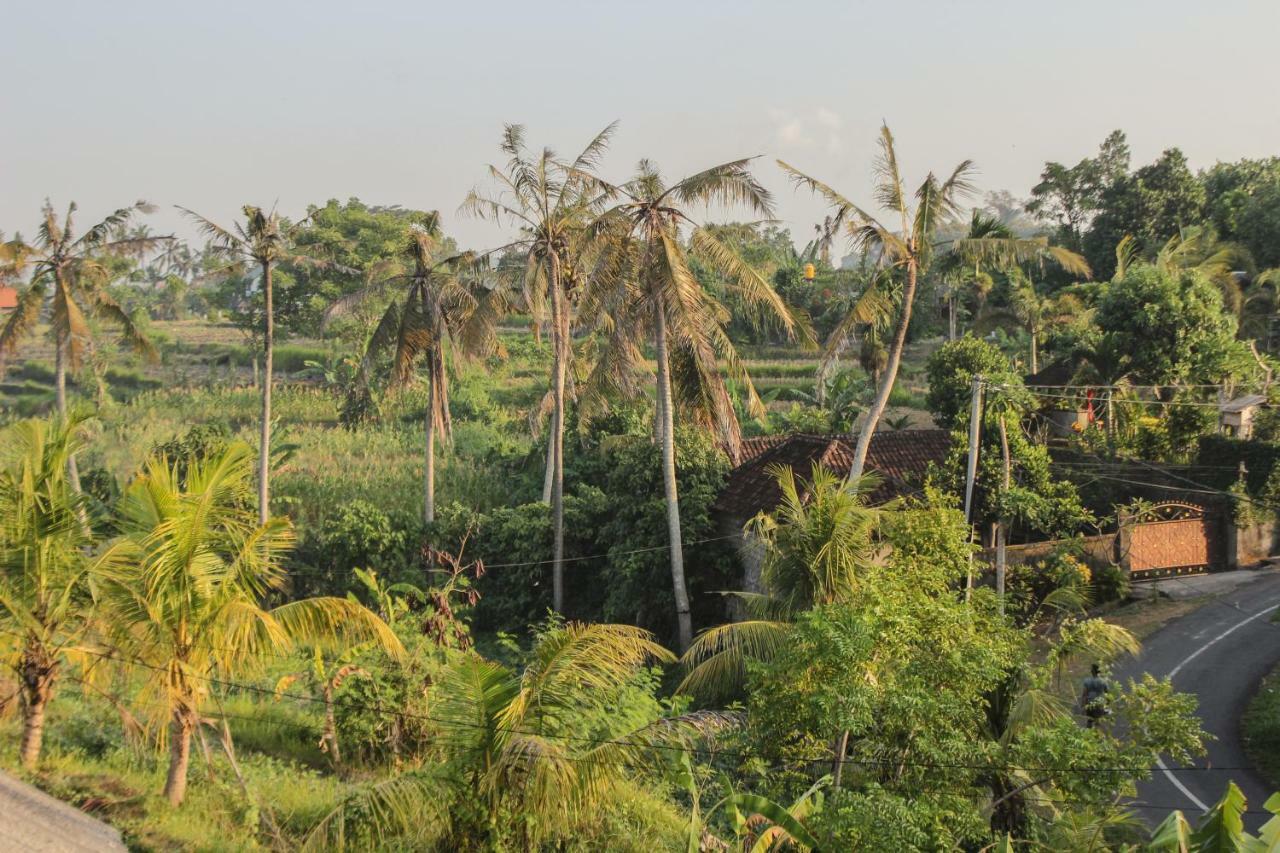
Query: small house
x=1063 y=410
x=1235 y=417
x=900 y=459
x=8 y=298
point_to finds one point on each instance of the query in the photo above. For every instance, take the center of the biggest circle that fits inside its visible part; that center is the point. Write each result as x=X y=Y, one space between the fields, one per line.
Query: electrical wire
x=740 y=755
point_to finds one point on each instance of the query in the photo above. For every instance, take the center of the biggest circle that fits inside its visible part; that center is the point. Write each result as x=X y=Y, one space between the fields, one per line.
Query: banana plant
x=326 y=677
x=759 y=824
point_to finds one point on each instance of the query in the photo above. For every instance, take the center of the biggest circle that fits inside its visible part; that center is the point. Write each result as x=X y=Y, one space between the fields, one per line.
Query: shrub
x=359 y=535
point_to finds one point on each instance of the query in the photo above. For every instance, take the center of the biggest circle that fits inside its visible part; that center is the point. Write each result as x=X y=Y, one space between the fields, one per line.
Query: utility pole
x=971 y=473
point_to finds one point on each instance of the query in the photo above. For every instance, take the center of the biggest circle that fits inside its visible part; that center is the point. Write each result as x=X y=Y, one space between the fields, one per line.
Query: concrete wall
x=1254 y=543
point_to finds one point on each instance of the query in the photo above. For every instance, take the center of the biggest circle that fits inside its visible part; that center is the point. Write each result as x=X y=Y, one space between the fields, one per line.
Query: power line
x=1105 y=387
x=332 y=573
x=1079 y=397
x=458 y=749
x=643 y=745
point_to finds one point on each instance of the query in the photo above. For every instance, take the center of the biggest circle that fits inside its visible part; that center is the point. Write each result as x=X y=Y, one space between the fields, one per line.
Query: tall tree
x=647 y=288
x=908 y=250
x=45 y=564
x=1072 y=195
x=71 y=271
x=185 y=587
x=1153 y=204
x=353 y=235
x=960 y=274
x=1165 y=326
x=550 y=201
x=441 y=311
x=263 y=240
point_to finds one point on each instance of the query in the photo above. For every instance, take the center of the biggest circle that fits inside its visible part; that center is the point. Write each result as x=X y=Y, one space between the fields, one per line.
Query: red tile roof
x=900 y=458
x=8 y=298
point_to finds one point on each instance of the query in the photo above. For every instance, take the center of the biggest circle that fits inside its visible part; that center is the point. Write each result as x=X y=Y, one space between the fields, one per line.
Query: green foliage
x=1163 y=327
x=1152 y=204
x=528 y=766
x=350 y=235
x=47 y=565
x=1242 y=200
x=183 y=590
x=951 y=369
x=1260 y=727
x=1220 y=458
x=1038 y=502
x=512 y=596
x=360 y=534
x=1072 y=195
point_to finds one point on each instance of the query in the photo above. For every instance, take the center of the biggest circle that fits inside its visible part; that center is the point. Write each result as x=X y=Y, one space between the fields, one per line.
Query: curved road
x=1218 y=652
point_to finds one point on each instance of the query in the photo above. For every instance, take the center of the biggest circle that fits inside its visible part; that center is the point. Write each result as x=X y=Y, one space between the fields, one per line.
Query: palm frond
x=96 y=237
x=843 y=210
x=761 y=300
x=889 y=190
x=717 y=659
x=220 y=237
x=1126 y=253
x=728 y=184
x=411 y=806
x=22 y=320
x=327 y=622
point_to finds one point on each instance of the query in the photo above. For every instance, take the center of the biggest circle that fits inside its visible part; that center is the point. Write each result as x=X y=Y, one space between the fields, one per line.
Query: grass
x=1260 y=729
x=86 y=762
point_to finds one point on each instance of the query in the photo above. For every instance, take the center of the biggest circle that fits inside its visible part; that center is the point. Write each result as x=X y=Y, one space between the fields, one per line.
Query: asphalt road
x=31 y=820
x=1219 y=652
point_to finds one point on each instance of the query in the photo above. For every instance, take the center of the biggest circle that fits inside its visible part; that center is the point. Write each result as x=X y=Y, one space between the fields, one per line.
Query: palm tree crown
x=186 y=586
x=444 y=308
x=907 y=249
x=643 y=288
x=550 y=202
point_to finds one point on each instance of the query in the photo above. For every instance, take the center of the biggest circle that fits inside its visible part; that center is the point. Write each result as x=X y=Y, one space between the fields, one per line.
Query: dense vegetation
x=417 y=546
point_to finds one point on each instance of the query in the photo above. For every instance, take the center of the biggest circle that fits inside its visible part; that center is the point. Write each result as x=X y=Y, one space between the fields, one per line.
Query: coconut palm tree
x=45 y=565
x=908 y=250
x=542 y=746
x=818 y=544
x=645 y=287
x=183 y=592
x=959 y=273
x=67 y=269
x=441 y=312
x=1258 y=314
x=263 y=240
x=1032 y=312
x=550 y=202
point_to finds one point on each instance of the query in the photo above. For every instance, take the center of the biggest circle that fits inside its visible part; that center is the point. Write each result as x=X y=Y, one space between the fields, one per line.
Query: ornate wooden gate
x=1173 y=538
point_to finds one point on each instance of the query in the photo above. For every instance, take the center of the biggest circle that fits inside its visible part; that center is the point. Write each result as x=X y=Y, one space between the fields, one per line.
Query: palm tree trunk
x=60 y=375
x=890 y=374
x=840 y=747
x=264 y=448
x=551 y=463
x=175 y=783
x=37 y=686
x=1002 y=531
x=559 y=319
x=669 y=483
x=1035 y=360
x=429 y=468
x=62 y=355
x=330 y=735
x=951 y=317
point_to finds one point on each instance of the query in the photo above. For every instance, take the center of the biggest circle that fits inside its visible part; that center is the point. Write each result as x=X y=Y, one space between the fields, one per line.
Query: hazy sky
x=212 y=105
